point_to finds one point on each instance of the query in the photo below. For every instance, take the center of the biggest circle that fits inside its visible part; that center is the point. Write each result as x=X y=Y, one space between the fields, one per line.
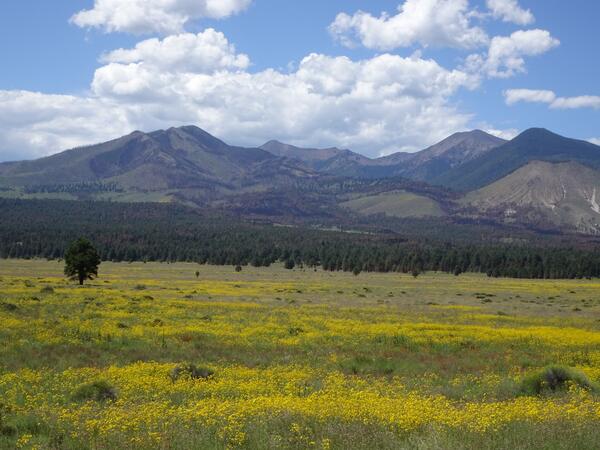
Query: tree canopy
x=81 y=261
x=157 y=232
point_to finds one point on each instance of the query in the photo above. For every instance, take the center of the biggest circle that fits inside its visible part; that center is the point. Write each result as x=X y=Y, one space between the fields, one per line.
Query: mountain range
x=538 y=179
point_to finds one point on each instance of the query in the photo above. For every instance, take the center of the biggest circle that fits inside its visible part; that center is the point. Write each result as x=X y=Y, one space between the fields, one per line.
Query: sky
x=376 y=76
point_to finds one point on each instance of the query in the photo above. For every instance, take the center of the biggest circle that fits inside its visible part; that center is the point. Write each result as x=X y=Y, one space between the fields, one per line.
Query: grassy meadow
x=293 y=359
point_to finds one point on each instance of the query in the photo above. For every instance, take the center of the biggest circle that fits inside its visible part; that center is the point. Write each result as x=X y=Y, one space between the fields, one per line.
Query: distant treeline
x=157 y=232
x=69 y=188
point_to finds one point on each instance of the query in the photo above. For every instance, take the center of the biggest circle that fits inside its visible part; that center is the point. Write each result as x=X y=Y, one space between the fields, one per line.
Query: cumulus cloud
x=376 y=106
x=384 y=102
x=442 y=23
x=154 y=16
x=513 y=96
x=506 y=54
x=35 y=124
x=595 y=141
x=510 y=11
x=204 y=52
x=379 y=105
x=449 y=23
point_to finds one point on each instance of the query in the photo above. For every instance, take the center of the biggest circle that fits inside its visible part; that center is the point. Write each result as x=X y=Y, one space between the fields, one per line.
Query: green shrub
x=5 y=429
x=10 y=307
x=555 y=378
x=47 y=290
x=99 y=391
x=190 y=371
x=8 y=430
x=295 y=331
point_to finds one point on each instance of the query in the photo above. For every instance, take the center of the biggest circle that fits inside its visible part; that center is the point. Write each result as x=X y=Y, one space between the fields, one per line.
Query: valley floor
x=299 y=359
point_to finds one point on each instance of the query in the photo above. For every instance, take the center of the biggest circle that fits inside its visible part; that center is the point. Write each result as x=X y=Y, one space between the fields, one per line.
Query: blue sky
x=242 y=70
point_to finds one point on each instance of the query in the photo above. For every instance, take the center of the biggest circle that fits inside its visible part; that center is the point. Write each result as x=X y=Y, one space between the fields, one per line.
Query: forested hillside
x=154 y=232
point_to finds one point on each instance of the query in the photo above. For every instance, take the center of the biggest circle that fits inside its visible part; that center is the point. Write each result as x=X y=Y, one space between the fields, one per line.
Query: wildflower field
x=155 y=356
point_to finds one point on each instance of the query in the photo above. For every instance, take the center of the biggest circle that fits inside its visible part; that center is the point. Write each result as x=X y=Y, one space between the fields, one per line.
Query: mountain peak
x=533 y=144
x=538 y=133
x=193 y=129
x=472 y=134
x=481 y=133
x=461 y=146
x=189 y=129
x=273 y=142
x=329 y=160
x=476 y=132
x=544 y=140
x=428 y=164
x=189 y=136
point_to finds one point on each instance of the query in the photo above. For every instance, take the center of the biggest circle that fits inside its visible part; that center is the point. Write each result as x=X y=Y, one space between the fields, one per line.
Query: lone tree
x=81 y=261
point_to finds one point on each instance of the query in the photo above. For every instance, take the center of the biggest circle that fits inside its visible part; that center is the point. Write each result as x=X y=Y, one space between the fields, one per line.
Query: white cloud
x=583 y=101
x=505 y=56
x=368 y=105
x=204 y=52
x=595 y=141
x=449 y=23
x=443 y=23
x=378 y=105
x=149 y=16
x=35 y=124
x=513 y=96
x=507 y=134
x=510 y=11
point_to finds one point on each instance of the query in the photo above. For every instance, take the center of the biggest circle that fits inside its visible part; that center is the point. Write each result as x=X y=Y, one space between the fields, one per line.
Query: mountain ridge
x=532 y=144
x=185 y=153
x=190 y=166
x=327 y=160
x=423 y=165
x=454 y=151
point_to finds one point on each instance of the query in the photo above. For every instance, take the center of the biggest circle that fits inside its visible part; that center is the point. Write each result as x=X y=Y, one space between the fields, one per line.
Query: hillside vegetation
x=396 y=204
x=154 y=232
x=561 y=193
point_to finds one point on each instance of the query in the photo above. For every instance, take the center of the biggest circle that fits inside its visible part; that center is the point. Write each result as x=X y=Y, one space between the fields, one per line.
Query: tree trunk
x=81 y=278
